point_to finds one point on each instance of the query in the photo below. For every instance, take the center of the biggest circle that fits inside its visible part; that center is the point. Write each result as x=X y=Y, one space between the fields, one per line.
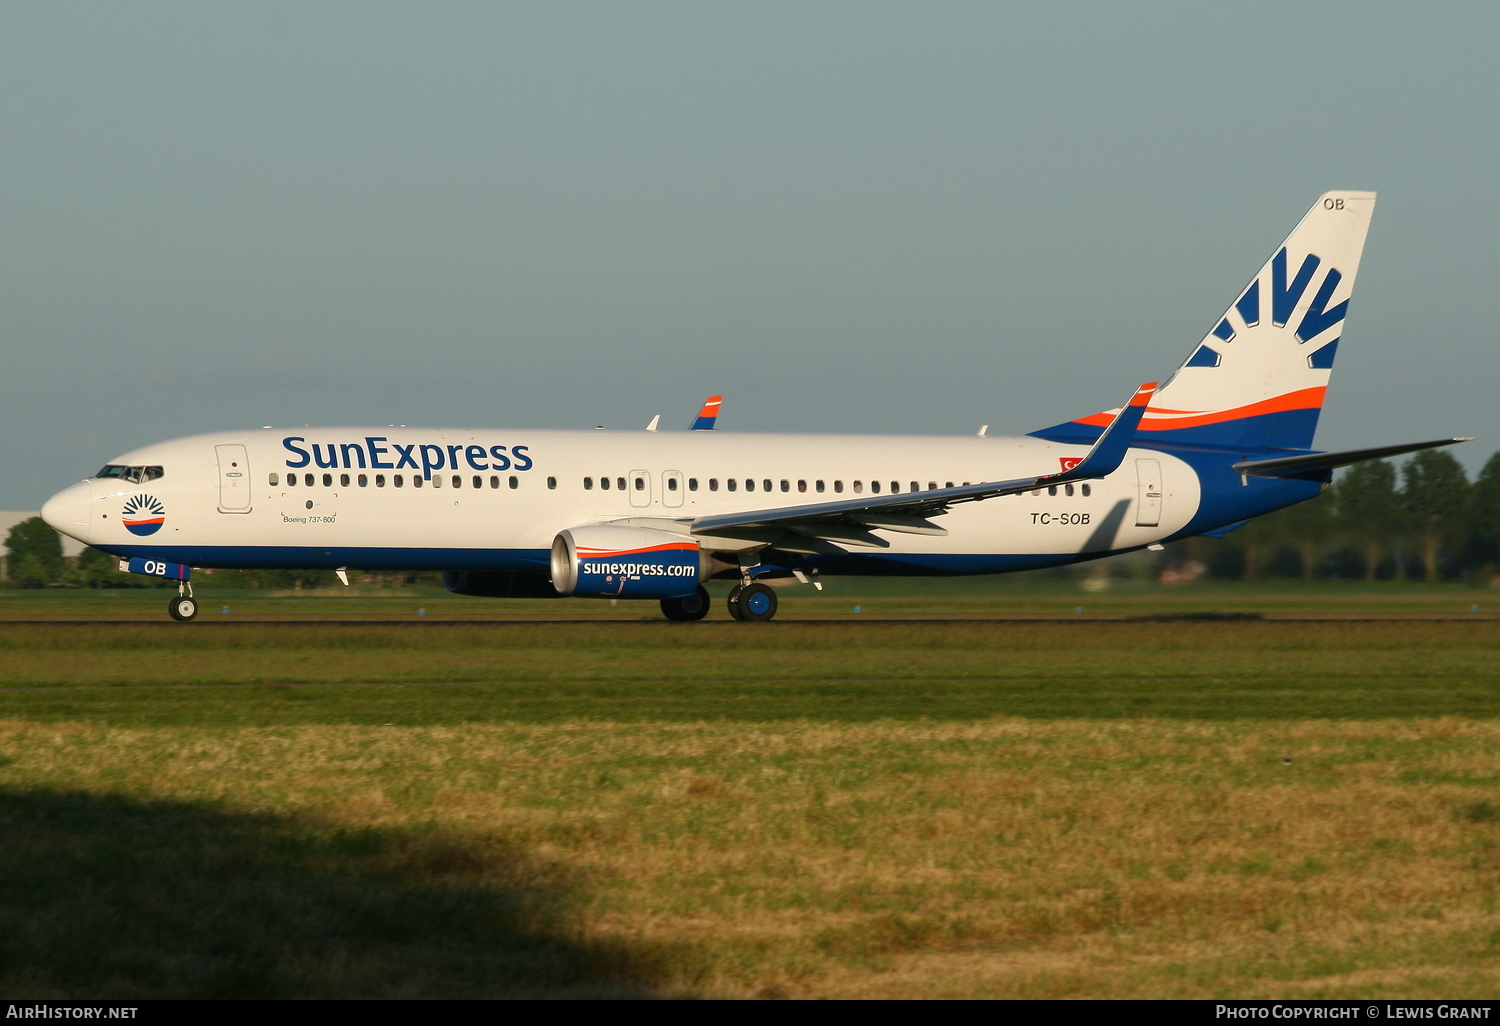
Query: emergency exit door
x=640 y=488
x=1148 y=504
x=234 y=479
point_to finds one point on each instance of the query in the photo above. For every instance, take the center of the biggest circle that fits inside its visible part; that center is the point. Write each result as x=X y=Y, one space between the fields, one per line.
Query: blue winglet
x=1109 y=451
x=708 y=414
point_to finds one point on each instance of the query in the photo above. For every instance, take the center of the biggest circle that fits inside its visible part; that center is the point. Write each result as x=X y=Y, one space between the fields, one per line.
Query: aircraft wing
x=850 y=521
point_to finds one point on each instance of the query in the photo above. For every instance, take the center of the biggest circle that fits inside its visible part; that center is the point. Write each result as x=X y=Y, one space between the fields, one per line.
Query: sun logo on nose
x=143 y=514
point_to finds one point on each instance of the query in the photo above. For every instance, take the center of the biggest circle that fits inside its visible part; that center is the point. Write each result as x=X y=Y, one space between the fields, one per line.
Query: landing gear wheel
x=688 y=607
x=752 y=603
x=182 y=608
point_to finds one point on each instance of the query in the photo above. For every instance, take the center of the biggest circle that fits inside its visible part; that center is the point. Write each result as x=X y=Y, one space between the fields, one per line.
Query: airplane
x=655 y=515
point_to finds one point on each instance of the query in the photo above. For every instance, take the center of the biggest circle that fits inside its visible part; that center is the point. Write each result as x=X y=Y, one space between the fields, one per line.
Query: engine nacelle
x=604 y=561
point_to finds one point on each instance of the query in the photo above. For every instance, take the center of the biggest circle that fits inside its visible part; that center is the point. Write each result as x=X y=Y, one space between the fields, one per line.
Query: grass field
x=1111 y=807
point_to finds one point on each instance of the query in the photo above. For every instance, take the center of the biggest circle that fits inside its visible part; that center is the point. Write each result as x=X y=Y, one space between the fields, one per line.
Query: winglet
x=708 y=414
x=1109 y=451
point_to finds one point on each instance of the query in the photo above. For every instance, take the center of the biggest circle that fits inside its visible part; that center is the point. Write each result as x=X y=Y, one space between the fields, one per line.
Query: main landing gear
x=752 y=603
x=689 y=607
x=183 y=606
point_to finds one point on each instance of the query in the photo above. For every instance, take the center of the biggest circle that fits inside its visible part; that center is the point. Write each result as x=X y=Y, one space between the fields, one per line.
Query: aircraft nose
x=68 y=511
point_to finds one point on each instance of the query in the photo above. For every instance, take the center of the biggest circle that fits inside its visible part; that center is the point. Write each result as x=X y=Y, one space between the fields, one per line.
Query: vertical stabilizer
x=1257 y=379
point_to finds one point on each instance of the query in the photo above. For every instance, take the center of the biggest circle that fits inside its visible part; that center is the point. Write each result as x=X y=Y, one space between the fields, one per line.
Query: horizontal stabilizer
x=1291 y=466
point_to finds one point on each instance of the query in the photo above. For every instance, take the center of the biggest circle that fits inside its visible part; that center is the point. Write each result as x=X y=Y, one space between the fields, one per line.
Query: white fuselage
x=499 y=497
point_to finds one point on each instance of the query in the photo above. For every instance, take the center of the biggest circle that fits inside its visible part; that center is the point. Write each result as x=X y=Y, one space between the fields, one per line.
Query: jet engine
x=607 y=561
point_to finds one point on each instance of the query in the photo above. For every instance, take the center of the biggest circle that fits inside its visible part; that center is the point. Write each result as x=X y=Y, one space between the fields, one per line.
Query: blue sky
x=844 y=216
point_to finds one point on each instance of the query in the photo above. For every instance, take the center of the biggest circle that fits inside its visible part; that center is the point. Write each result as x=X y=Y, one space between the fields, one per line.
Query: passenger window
x=379 y=480
x=588 y=484
x=859 y=487
x=398 y=480
x=671 y=484
x=818 y=485
x=619 y=483
x=713 y=484
x=478 y=481
x=1067 y=489
x=1052 y=489
x=416 y=480
x=692 y=484
x=895 y=487
x=874 y=487
x=916 y=487
x=786 y=486
x=343 y=480
x=364 y=482
x=732 y=483
x=604 y=483
x=309 y=480
x=801 y=486
x=1087 y=491
x=948 y=485
x=515 y=482
x=551 y=483
x=458 y=482
x=437 y=480
x=749 y=484
x=838 y=486
x=1036 y=491
x=766 y=485
x=932 y=486
x=275 y=480
x=640 y=484
x=327 y=480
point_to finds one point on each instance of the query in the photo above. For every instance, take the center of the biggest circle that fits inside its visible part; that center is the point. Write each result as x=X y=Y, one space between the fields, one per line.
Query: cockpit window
x=133 y=475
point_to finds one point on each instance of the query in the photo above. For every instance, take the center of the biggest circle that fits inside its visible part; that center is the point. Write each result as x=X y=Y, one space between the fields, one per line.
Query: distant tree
x=1369 y=510
x=33 y=540
x=1436 y=493
x=30 y=572
x=1306 y=527
x=1261 y=539
x=1484 y=515
x=95 y=569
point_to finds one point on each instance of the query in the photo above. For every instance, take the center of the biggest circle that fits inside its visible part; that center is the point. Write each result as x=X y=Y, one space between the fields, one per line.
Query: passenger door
x=671 y=488
x=234 y=479
x=1148 y=480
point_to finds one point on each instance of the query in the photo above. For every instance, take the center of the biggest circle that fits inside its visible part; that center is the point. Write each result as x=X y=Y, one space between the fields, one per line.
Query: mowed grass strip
x=1003 y=857
x=113 y=653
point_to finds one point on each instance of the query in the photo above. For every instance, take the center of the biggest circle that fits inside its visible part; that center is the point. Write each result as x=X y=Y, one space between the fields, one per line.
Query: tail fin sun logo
x=143 y=514
x=1285 y=298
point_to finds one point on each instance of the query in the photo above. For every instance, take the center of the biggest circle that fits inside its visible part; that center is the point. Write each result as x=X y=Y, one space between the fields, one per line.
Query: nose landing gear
x=183 y=606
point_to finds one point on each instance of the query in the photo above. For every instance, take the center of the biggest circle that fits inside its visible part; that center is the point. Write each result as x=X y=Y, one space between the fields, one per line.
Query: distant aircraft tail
x=1257 y=380
x=708 y=415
